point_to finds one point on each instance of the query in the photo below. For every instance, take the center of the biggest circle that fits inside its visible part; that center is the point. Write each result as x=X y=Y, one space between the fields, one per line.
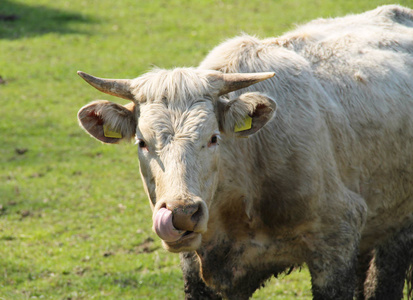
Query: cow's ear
x=245 y=115
x=107 y=121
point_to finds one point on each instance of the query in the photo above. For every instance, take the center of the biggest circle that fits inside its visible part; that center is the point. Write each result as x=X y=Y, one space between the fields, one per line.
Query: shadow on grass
x=19 y=20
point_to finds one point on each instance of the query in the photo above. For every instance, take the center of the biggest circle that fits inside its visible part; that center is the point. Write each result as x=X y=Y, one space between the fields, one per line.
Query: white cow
x=245 y=194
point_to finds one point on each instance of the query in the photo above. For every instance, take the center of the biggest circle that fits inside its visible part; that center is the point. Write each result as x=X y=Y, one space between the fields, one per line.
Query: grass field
x=74 y=221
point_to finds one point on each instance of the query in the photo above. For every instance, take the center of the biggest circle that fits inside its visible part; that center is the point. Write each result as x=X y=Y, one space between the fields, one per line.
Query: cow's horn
x=115 y=87
x=236 y=81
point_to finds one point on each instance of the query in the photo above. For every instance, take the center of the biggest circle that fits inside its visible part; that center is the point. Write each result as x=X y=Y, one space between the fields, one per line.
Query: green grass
x=74 y=221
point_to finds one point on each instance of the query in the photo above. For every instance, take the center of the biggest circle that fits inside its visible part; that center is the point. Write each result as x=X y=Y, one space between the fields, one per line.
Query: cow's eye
x=141 y=143
x=213 y=141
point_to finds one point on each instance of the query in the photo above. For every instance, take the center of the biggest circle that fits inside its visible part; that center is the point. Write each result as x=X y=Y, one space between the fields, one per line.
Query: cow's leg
x=333 y=277
x=333 y=259
x=389 y=267
x=195 y=287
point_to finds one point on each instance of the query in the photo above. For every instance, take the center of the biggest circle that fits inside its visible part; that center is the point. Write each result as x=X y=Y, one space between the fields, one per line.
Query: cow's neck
x=250 y=200
x=238 y=188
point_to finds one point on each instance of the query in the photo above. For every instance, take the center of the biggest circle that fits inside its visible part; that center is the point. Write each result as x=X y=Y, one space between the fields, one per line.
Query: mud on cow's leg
x=389 y=267
x=333 y=259
x=333 y=278
x=195 y=287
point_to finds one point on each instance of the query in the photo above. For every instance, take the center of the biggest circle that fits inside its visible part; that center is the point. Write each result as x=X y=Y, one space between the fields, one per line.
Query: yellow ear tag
x=108 y=132
x=247 y=125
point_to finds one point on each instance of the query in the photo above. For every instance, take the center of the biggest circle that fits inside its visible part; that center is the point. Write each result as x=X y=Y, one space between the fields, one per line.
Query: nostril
x=197 y=215
x=186 y=217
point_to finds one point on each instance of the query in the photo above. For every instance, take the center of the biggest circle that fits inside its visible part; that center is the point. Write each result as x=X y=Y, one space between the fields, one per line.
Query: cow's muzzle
x=176 y=221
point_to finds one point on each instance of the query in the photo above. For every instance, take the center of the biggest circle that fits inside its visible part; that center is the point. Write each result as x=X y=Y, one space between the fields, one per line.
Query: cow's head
x=178 y=118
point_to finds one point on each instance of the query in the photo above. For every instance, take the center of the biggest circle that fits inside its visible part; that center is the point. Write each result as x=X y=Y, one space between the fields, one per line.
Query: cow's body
x=327 y=182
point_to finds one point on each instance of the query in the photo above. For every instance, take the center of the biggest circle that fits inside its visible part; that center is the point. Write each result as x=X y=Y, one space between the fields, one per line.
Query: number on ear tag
x=247 y=125
x=110 y=133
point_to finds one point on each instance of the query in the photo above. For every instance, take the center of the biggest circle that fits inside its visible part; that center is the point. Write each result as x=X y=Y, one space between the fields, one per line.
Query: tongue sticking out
x=164 y=227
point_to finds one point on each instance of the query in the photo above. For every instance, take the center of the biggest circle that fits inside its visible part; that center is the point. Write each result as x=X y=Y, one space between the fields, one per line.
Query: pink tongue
x=164 y=228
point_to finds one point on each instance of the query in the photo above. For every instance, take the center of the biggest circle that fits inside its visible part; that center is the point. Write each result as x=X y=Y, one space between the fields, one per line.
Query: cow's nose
x=186 y=217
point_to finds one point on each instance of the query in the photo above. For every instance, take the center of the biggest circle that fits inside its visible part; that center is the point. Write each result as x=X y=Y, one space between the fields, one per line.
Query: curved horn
x=115 y=87
x=237 y=81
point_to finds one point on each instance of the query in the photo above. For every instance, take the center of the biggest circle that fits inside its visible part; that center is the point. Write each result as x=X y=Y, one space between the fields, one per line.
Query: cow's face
x=177 y=118
x=178 y=156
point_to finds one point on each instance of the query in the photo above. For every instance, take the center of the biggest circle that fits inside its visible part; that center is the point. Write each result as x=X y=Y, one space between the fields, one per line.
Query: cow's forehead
x=162 y=122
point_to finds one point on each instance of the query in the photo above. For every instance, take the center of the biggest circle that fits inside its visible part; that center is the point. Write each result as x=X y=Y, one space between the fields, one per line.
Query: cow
x=280 y=152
